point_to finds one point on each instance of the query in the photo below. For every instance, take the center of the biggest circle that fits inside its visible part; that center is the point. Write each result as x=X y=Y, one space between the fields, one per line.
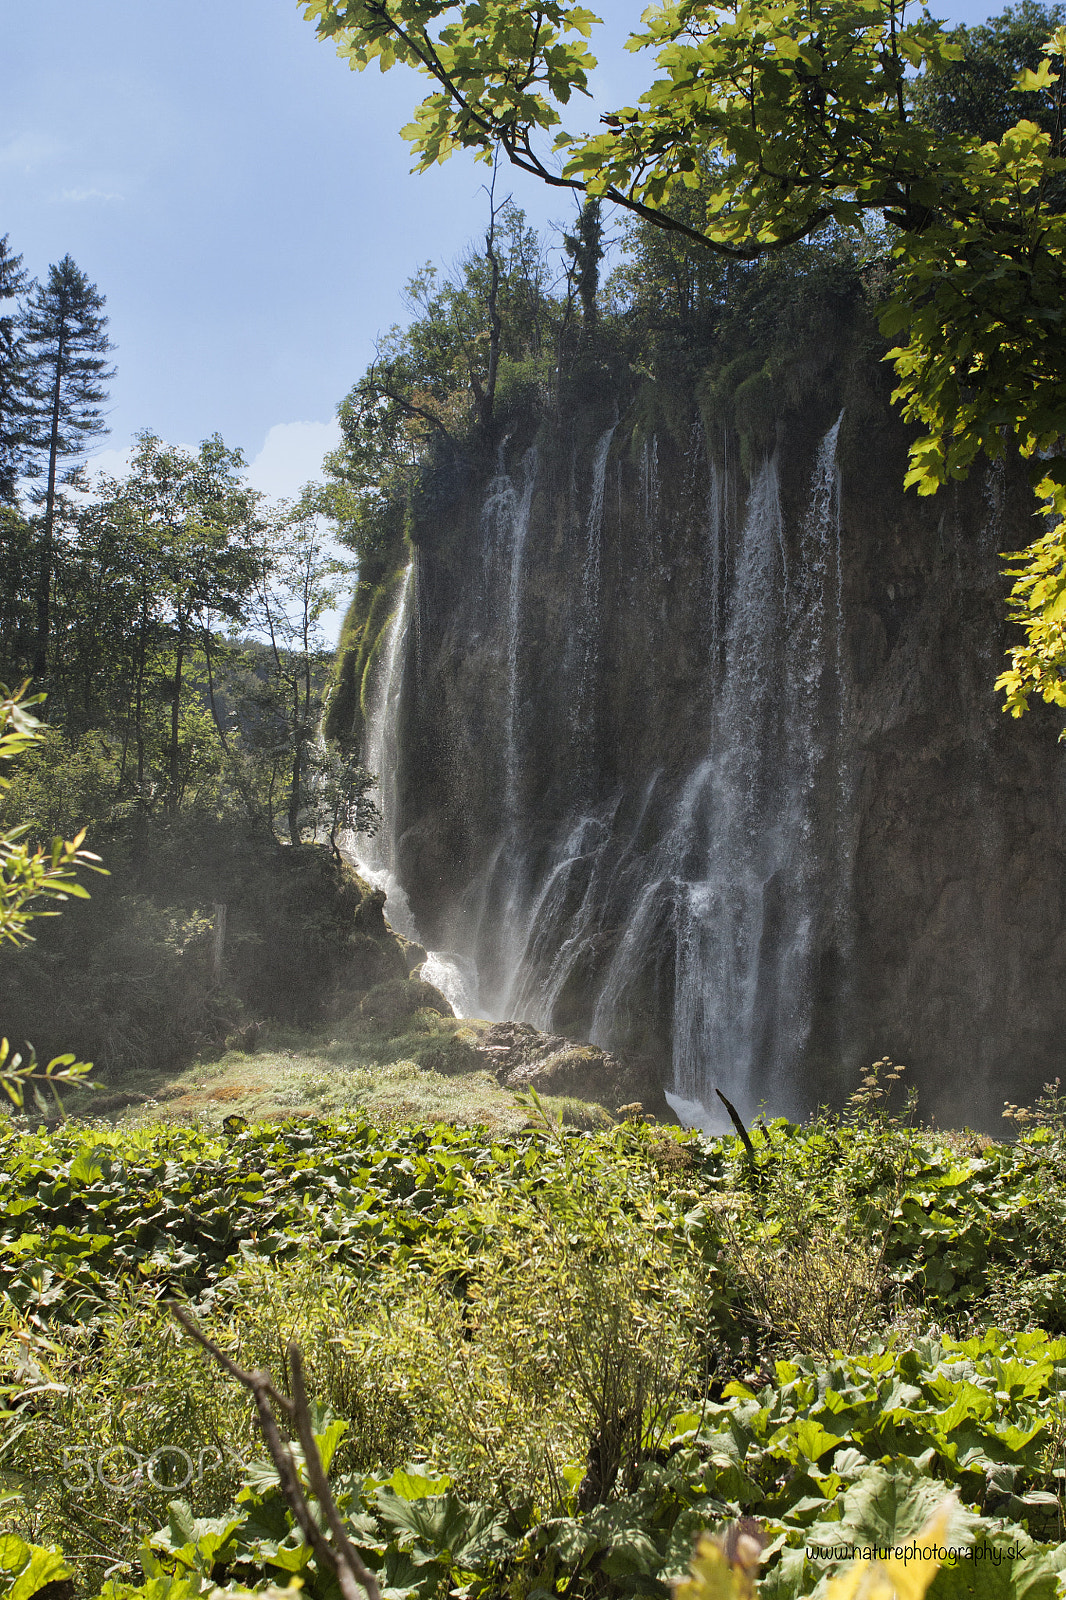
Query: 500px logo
x=126 y=1471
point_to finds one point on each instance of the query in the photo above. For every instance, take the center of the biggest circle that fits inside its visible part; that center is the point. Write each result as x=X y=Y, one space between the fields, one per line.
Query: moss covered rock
x=390 y=1003
x=454 y=1055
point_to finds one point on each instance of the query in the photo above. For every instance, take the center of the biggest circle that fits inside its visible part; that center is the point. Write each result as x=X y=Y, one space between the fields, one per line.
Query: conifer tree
x=65 y=336
x=13 y=399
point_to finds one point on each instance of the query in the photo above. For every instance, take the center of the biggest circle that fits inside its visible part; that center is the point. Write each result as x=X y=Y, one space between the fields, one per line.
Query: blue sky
x=240 y=196
x=243 y=200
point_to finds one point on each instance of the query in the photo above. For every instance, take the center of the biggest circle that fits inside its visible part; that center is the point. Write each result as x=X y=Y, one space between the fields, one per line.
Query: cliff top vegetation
x=785 y=118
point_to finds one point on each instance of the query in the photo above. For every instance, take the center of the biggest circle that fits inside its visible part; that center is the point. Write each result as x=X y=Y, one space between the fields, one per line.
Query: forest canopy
x=780 y=119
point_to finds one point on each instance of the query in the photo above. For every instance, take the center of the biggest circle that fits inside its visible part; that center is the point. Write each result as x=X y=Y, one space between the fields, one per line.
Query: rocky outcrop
x=521 y=1057
x=701 y=760
x=390 y=1004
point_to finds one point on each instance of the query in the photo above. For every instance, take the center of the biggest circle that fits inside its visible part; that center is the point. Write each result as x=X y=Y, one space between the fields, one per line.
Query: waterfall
x=700 y=756
x=747 y=856
x=738 y=881
x=375 y=855
x=518 y=504
x=590 y=577
x=712 y=890
x=586 y=626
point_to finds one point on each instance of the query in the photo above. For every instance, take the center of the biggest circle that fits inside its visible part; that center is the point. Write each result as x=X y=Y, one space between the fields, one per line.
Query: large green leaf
x=26 y=1568
x=1002 y=1566
x=884 y=1507
x=438 y=1524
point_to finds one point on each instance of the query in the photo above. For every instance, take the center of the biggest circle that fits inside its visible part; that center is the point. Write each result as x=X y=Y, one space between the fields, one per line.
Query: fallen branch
x=353 y=1575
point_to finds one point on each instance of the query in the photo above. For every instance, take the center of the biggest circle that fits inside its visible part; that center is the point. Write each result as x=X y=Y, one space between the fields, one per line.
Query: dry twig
x=354 y=1576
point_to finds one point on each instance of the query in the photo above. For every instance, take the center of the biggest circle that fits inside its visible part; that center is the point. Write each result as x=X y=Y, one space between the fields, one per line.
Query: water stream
x=730 y=891
x=375 y=855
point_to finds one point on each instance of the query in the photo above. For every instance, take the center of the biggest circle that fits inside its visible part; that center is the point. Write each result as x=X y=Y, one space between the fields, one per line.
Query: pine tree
x=65 y=336
x=13 y=398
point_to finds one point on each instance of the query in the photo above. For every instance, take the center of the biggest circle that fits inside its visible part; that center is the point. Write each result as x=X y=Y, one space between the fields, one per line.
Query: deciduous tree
x=785 y=116
x=435 y=382
x=296 y=585
x=196 y=528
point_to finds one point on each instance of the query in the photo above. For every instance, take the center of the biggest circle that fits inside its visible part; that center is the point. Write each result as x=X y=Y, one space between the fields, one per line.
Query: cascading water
x=518 y=504
x=737 y=883
x=377 y=852
x=733 y=892
x=755 y=860
x=522 y=976
x=587 y=630
x=688 y=778
x=375 y=855
x=495 y=898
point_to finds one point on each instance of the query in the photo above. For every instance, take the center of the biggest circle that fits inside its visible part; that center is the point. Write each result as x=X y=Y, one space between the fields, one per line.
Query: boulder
x=393 y=1002
x=521 y=1057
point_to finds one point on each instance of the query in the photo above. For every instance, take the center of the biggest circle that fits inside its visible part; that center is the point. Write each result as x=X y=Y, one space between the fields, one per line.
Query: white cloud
x=114 y=462
x=89 y=194
x=292 y=456
x=29 y=150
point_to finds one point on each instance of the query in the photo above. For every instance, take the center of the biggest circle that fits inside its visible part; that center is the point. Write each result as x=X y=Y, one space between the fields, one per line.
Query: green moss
x=365 y=627
x=371 y=659
x=391 y=1004
x=662 y=406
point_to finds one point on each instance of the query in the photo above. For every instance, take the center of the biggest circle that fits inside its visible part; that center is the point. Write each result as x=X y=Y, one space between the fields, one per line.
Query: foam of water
x=455 y=978
x=694 y=1114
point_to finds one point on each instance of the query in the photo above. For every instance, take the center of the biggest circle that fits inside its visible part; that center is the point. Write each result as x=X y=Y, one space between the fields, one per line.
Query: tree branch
x=355 y=1578
x=735 y=1119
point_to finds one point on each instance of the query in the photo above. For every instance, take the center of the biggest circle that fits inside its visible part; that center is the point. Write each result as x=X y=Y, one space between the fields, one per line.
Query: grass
x=350 y=1065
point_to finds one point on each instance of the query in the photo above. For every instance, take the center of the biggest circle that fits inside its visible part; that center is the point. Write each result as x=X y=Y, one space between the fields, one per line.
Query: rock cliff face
x=703 y=762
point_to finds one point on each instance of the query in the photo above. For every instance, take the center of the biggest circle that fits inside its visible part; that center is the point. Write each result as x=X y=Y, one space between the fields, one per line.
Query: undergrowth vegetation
x=132 y=980
x=541 y=1361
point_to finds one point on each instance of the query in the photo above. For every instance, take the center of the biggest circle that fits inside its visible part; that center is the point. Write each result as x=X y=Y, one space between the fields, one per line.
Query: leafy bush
x=543 y=1361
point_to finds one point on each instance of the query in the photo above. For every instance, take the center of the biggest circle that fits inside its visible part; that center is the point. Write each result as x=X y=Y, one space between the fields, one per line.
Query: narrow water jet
x=375 y=856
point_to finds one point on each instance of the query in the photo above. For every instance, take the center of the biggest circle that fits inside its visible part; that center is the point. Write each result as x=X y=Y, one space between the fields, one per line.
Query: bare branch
x=355 y=1578
x=346 y=1552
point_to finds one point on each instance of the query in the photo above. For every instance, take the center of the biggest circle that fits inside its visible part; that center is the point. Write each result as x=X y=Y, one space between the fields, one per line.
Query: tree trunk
x=495 y=324
x=175 y=710
x=219 y=946
x=297 y=765
x=219 y=729
x=44 y=580
x=140 y=671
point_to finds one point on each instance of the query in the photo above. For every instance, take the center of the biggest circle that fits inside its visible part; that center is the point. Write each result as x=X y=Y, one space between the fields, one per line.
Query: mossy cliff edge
x=659 y=589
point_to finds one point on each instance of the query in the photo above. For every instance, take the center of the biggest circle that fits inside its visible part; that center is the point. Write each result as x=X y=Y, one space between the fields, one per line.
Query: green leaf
x=415 y=1485
x=1042 y=78
x=1002 y=1566
x=26 y=1568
